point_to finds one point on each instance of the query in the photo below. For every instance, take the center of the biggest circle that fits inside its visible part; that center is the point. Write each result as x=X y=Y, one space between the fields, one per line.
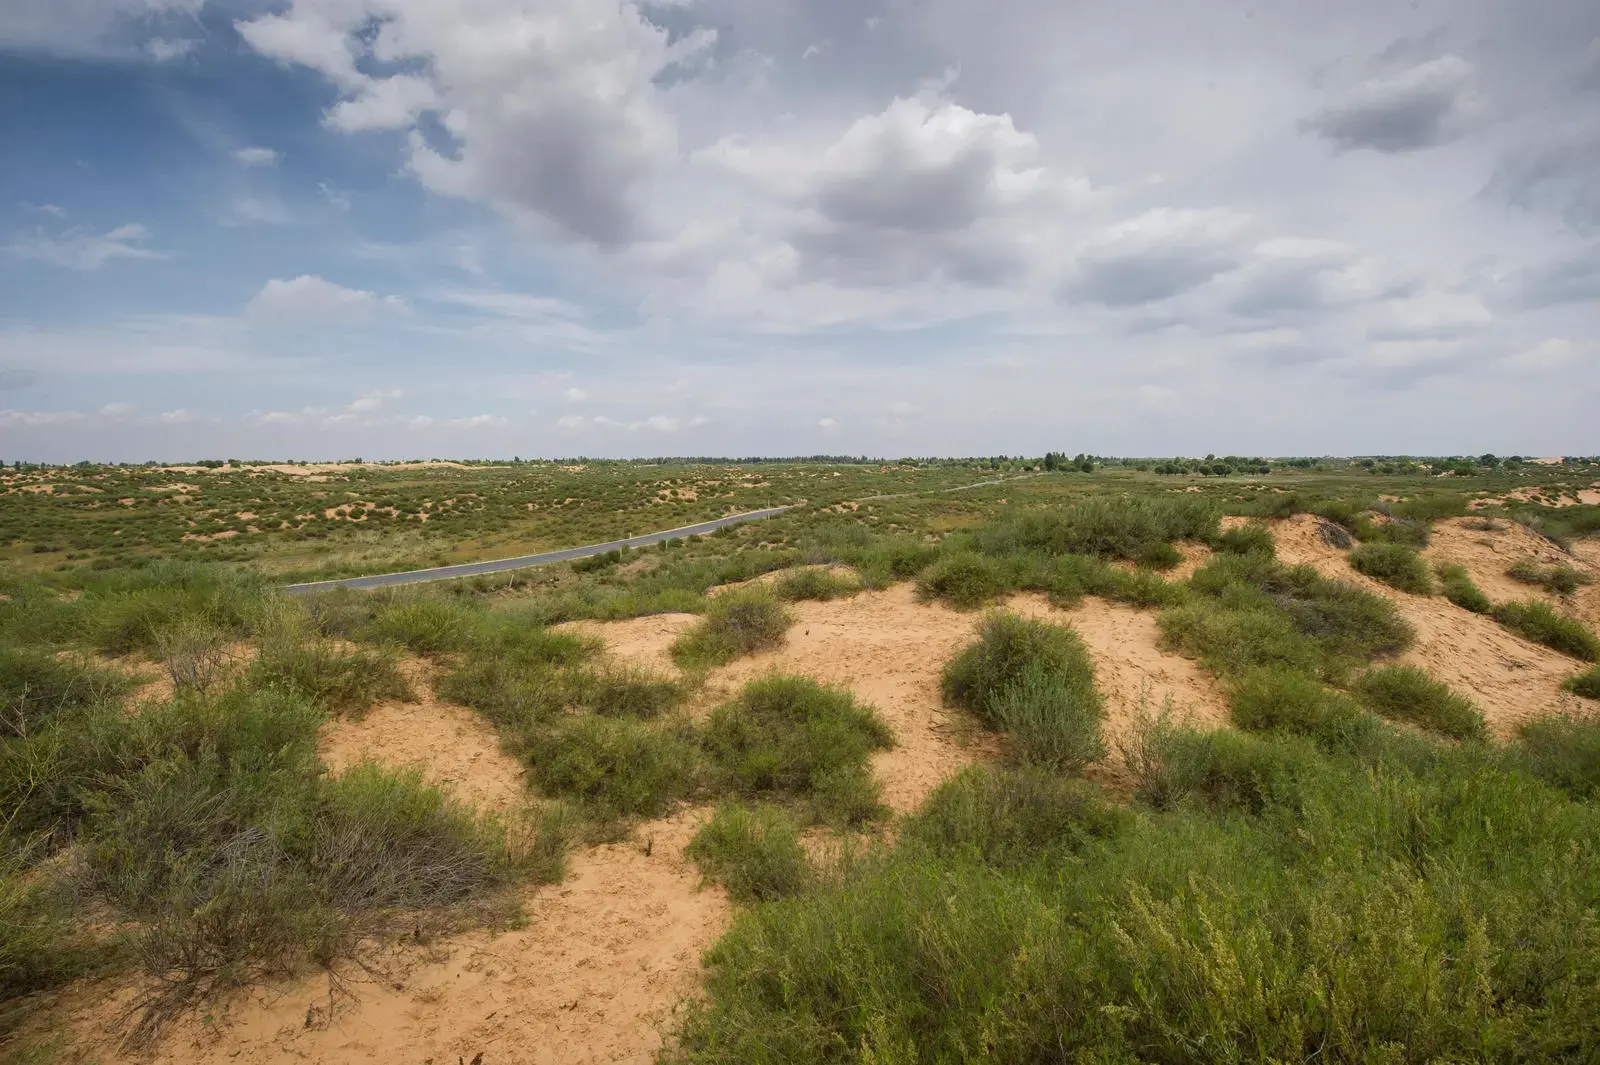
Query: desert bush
x=125 y=609
x=813 y=583
x=891 y=559
x=1110 y=527
x=790 y=737
x=1254 y=538
x=1281 y=699
x=737 y=623
x=1172 y=765
x=1158 y=556
x=1586 y=684
x=1540 y=622
x=1407 y=693
x=424 y=626
x=36 y=685
x=1457 y=586
x=1557 y=579
x=626 y=691
x=345 y=679
x=1011 y=817
x=1395 y=564
x=1563 y=750
x=753 y=852
x=966 y=581
x=615 y=768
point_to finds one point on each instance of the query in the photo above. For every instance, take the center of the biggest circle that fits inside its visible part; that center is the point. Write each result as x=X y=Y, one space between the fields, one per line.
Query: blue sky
x=407 y=228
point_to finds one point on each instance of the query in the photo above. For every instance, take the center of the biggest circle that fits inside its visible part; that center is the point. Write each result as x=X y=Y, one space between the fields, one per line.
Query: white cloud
x=165 y=50
x=176 y=417
x=78 y=249
x=371 y=401
x=1554 y=353
x=116 y=410
x=33 y=419
x=478 y=421
x=1423 y=106
x=575 y=395
x=311 y=299
x=1159 y=254
x=827 y=423
x=257 y=156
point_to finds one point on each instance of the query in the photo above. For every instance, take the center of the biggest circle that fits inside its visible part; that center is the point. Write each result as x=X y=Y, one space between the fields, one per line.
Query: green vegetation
x=1459 y=589
x=738 y=622
x=1279 y=698
x=814 y=583
x=965 y=581
x=1538 y=621
x=754 y=853
x=1586 y=684
x=1557 y=578
x=1035 y=683
x=1407 y=693
x=1250 y=539
x=1011 y=817
x=1564 y=751
x=1395 y=564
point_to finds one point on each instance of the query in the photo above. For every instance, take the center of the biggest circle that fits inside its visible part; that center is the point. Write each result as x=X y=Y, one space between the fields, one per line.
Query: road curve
x=498 y=565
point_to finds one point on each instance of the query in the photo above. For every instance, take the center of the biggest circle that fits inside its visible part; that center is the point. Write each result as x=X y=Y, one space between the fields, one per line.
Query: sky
x=418 y=228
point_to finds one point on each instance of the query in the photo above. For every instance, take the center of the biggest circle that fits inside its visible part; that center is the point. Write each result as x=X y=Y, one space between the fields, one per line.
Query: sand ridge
x=1510 y=679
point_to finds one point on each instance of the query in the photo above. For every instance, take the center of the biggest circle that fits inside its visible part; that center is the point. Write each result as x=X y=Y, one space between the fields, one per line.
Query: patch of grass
x=1281 y=699
x=753 y=852
x=1395 y=564
x=1110 y=527
x=813 y=583
x=966 y=581
x=615 y=768
x=125 y=610
x=1557 y=578
x=627 y=691
x=790 y=737
x=1158 y=556
x=1457 y=585
x=1012 y=817
x=1407 y=693
x=344 y=679
x=737 y=623
x=1253 y=538
x=1563 y=750
x=1586 y=684
x=1540 y=622
x=891 y=559
x=425 y=626
x=36 y=685
x=1173 y=765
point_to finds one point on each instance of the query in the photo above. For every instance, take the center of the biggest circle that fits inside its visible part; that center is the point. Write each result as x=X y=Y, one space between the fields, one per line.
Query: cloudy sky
x=397 y=228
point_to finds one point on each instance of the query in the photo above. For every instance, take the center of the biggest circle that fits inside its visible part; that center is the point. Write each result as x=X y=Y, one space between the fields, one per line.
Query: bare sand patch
x=1511 y=679
x=450 y=745
x=644 y=641
x=606 y=956
x=1488 y=553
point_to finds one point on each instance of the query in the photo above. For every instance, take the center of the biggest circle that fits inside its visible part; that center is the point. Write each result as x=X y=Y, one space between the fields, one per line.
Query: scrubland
x=1288 y=762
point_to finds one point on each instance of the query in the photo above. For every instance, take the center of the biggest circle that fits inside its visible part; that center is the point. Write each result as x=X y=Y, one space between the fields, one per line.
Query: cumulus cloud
x=79 y=249
x=311 y=299
x=1426 y=105
x=1159 y=254
x=556 y=112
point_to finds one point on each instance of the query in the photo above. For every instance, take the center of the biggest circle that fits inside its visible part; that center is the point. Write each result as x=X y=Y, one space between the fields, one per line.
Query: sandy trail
x=1510 y=679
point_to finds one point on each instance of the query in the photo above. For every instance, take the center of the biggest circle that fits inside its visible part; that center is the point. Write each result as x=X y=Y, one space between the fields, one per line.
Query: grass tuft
x=754 y=853
x=1407 y=693
x=739 y=622
x=1557 y=579
x=1395 y=564
x=1586 y=684
x=1541 y=623
x=966 y=581
x=1457 y=585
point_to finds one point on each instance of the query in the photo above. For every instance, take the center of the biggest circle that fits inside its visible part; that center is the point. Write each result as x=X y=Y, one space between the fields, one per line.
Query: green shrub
x=966 y=581
x=737 y=623
x=1109 y=527
x=1228 y=770
x=36 y=685
x=1007 y=647
x=754 y=853
x=616 y=768
x=790 y=737
x=1557 y=579
x=126 y=609
x=1254 y=538
x=891 y=559
x=1280 y=699
x=1459 y=589
x=347 y=680
x=1407 y=693
x=1539 y=622
x=1158 y=556
x=1397 y=565
x=424 y=626
x=1009 y=817
x=1563 y=750
x=1053 y=717
x=813 y=583
x=626 y=691
x=1586 y=684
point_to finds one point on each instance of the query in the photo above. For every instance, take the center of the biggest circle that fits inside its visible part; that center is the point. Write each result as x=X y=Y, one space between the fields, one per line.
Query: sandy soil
x=887 y=649
x=1131 y=669
x=450 y=745
x=644 y=641
x=1511 y=679
x=837 y=570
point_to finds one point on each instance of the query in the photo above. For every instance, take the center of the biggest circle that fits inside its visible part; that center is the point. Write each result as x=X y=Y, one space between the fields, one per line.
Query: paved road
x=500 y=565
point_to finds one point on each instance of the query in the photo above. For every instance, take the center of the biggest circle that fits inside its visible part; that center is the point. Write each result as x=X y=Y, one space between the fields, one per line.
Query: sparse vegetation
x=1586 y=684
x=1540 y=622
x=737 y=623
x=1395 y=564
x=1557 y=578
x=1456 y=583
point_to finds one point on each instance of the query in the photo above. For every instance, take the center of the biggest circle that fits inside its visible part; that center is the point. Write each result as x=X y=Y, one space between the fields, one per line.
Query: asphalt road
x=499 y=565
